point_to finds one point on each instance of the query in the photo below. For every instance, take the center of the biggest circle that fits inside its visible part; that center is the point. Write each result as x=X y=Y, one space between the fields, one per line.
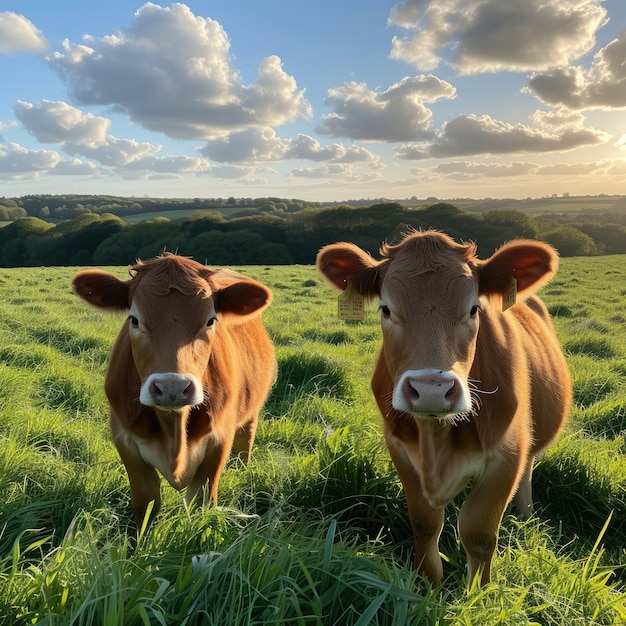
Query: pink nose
x=171 y=390
x=430 y=391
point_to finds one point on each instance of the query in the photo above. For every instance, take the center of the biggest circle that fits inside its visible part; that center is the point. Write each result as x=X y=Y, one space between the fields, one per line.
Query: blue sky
x=322 y=101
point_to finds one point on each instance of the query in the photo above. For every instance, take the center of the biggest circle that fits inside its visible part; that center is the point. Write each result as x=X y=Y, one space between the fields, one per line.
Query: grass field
x=314 y=530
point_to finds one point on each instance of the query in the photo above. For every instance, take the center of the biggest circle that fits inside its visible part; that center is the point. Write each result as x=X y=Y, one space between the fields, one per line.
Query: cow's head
x=431 y=291
x=174 y=307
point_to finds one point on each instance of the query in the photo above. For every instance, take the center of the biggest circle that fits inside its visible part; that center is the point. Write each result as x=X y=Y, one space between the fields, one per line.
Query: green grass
x=314 y=530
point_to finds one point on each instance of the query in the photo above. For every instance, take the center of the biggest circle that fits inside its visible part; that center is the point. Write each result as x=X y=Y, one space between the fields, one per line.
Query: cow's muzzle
x=431 y=392
x=171 y=391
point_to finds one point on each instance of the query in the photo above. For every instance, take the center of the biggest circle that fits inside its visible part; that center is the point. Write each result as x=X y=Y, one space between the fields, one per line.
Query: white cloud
x=17 y=34
x=16 y=160
x=490 y=35
x=85 y=135
x=472 y=135
x=329 y=170
x=171 y=71
x=396 y=114
x=254 y=144
x=569 y=169
x=75 y=167
x=58 y=122
x=114 y=152
x=467 y=169
x=264 y=145
x=603 y=86
x=474 y=171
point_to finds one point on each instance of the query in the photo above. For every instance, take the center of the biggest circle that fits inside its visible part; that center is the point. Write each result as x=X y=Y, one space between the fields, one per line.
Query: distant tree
x=10 y=212
x=219 y=248
x=570 y=241
x=274 y=254
x=140 y=241
x=18 y=238
x=517 y=224
x=609 y=238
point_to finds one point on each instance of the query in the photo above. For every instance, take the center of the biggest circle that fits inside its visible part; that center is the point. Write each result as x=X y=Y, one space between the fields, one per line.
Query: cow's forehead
x=163 y=275
x=416 y=277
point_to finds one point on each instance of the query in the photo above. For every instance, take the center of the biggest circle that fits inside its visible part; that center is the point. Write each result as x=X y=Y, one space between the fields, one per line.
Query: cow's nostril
x=410 y=391
x=453 y=393
x=156 y=390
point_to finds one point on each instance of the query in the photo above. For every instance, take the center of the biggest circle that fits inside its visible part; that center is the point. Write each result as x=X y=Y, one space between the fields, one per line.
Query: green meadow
x=314 y=530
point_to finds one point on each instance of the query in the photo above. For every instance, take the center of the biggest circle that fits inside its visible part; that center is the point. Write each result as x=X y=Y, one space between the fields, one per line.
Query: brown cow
x=188 y=373
x=468 y=392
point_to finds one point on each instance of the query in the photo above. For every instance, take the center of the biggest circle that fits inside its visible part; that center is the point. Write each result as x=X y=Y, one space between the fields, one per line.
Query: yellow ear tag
x=509 y=298
x=350 y=304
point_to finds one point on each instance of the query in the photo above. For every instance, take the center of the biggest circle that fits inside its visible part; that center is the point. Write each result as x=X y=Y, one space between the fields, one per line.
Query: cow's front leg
x=145 y=484
x=426 y=520
x=210 y=470
x=481 y=515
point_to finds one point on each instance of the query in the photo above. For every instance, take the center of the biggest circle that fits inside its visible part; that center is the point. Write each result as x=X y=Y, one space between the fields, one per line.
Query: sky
x=324 y=101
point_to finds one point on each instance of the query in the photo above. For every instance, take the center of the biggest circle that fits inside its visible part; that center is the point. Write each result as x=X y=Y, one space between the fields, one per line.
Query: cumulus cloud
x=329 y=170
x=114 y=152
x=263 y=144
x=602 y=86
x=467 y=169
x=396 y=114
x=171 y=71
x=17 y=34
x=471 y=135
x=85 y=135
x=473 y=171
x=491 y=35
x=75 y=167
x=58 y=122
x=15 y=160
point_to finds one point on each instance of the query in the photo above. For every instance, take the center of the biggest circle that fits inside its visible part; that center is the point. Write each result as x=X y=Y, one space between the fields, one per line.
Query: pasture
x=314 y=530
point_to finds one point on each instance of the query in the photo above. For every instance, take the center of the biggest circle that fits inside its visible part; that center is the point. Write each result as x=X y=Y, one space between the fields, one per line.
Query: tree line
x=272 y=235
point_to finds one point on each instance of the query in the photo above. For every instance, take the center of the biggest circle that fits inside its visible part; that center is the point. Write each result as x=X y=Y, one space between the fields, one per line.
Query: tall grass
x=314 y=529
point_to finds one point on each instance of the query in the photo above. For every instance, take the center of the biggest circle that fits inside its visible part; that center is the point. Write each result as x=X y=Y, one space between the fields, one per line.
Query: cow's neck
x=174 y=441
x=444 y=466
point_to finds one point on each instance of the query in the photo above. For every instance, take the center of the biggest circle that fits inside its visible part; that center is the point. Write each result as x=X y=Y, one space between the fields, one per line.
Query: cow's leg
x=481 y=515
x=244 y=439
x=210 y=470
x=426 y=521
x=145 y=485
x=524 y=495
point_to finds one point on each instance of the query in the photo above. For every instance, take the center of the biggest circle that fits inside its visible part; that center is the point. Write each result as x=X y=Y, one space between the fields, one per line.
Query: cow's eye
x=474 y=310
x=134 y=321
x=212 y=321
x=384 y=309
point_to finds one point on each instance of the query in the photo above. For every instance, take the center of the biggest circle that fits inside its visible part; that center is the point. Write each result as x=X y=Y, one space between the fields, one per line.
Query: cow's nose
x=430 y=391
x=171 y=391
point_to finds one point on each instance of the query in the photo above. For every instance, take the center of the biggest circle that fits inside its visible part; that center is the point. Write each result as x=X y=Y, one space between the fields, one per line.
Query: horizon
x=372 y=100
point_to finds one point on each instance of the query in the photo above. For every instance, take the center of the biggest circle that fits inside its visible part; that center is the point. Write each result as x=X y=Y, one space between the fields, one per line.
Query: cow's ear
x=101 y=289
x=531 y=263
x=242 y=298
x=343 y=262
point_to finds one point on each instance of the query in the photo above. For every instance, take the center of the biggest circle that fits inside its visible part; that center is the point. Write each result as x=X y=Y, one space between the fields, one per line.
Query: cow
x=187 y=375
x=469 y=392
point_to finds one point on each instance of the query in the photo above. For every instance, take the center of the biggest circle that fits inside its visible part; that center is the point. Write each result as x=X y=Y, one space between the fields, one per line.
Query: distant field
x=565 y=205
x=175 y=214
x=314 y=530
